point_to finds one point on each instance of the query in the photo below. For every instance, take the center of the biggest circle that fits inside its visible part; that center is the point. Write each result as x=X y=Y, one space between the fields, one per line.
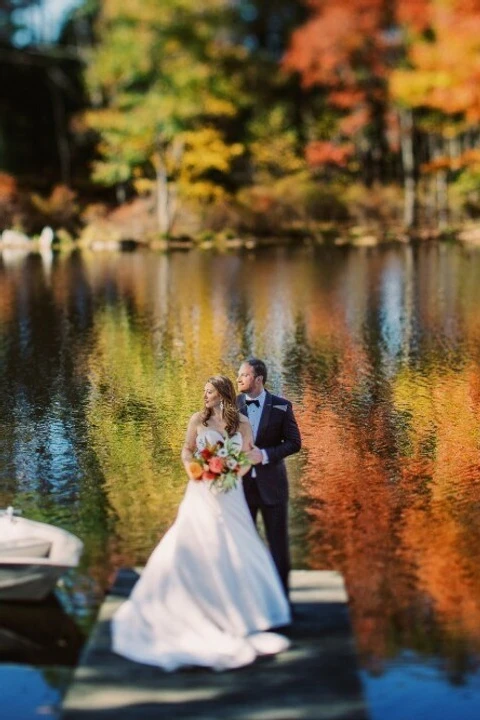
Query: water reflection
x=103 y=359
x=38 y=633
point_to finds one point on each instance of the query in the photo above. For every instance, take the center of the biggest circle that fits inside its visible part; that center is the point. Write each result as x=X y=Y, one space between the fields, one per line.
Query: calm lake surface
x=103 y=358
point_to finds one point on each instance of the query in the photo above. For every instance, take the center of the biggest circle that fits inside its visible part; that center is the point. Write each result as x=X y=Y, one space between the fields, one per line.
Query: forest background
x=353 y=120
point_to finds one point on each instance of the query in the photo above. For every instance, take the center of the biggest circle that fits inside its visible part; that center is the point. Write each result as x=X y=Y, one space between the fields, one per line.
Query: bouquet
x=220 y=464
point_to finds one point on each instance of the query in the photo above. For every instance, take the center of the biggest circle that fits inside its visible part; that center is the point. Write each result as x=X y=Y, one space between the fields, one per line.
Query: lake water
x=103 y=358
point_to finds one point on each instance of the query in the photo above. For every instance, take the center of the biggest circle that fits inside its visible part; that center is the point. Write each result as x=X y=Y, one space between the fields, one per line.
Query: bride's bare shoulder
x=244 y=426
x=195 y=420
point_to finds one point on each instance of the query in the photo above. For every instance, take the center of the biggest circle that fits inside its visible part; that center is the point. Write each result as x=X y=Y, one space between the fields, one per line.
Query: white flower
x=231 y=463
x=222 y=452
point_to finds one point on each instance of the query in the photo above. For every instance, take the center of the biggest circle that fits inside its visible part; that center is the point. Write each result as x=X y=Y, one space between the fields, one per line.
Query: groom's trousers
x=275 y=520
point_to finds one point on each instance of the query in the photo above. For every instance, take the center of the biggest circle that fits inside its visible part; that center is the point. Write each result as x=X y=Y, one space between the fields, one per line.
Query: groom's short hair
x=259 y=368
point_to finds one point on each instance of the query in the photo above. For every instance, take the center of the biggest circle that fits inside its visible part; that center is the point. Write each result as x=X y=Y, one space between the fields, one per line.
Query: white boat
x=33 y=556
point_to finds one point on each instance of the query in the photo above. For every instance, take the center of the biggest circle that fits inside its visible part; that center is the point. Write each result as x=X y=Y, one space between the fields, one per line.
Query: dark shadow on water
x=38 y=634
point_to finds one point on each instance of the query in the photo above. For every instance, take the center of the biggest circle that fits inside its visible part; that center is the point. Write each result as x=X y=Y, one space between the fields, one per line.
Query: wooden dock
x=316 y=679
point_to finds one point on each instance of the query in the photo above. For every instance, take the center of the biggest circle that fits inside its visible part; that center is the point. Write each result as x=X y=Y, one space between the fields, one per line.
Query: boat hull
x=28 y=582
x=33 y=555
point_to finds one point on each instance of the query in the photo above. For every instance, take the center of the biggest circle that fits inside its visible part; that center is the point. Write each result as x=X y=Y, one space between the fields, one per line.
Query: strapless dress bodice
x=210 y=437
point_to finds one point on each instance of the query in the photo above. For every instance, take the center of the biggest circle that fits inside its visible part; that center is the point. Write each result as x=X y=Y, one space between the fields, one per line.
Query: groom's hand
x=255 y=456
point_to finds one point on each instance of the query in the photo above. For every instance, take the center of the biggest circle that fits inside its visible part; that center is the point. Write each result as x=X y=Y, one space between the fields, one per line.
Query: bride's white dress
x=209 y=590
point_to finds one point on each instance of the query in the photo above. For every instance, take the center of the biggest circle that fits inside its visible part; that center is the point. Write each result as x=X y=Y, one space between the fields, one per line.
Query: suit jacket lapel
x=242 y=405
x=265 y=417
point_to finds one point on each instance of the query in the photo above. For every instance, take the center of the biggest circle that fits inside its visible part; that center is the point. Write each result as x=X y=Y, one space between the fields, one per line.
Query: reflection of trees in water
x=130 y=417
x=48 y=471
x=351 y=502
x=151 y=359
x=391 y=479
x=147 y=372
x=378 y=367
x=338 y=350
x=441 y=482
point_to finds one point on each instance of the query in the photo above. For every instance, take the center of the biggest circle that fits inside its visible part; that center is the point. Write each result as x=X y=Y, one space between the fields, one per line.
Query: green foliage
x=465 y=192
x=158 y=76
x=274 y=149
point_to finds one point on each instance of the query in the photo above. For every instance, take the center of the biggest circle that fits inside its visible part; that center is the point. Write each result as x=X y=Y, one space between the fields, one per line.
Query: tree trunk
x=166 y=161
x=162 y=200
x=442 y=199
x=441 y=185
x=408 y=161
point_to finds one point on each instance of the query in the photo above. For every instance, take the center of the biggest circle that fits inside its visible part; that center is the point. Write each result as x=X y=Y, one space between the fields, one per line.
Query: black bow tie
x=253 y=402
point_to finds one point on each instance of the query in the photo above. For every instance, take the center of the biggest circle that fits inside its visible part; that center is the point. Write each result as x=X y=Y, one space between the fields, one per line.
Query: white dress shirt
x=254 y=415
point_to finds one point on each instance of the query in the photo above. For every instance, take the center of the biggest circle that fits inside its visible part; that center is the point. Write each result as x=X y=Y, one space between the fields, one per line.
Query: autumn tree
x=402 y=77
x=345 y=47
x=436 y=89
x=164 y=82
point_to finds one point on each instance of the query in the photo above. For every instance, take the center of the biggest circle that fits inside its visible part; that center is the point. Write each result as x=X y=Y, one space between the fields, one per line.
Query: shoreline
x=13 y=241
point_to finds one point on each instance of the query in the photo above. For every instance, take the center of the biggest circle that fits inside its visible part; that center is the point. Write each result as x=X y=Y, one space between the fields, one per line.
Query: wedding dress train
x=209 y=591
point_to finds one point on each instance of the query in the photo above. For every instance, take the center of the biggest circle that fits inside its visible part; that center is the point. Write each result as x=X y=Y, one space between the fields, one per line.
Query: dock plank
x=316 y=679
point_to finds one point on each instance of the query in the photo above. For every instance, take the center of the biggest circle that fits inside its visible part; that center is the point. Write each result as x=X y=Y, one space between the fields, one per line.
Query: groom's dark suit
x=279 y=435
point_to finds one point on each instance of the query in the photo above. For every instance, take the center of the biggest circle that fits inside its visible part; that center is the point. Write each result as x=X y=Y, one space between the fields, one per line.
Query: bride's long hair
x=224 y=386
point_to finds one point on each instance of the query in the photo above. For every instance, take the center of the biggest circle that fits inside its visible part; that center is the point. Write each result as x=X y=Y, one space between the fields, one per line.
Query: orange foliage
x=323 y=49
x=325 y=153
x=438 y=163
x=8 y=187
x=415 y=14
x=354 y=122
x=345 y=47
x=469 y=158
x=445 y=72
x=346 y=99
x=368 y=53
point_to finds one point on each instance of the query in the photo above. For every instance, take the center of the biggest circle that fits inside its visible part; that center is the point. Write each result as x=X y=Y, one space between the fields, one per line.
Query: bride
x=210 y=589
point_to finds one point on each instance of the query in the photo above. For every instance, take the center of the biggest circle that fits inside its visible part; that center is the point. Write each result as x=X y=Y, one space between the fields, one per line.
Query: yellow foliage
x=154 y=68
x=202 y=190
x=444 y=71
x=219 y=106
x=144 y=186
x=153 y=11
x=205 y=150
x=412 y=87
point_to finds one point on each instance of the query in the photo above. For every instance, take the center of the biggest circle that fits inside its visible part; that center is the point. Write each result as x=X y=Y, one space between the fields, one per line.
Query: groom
x=276 y=435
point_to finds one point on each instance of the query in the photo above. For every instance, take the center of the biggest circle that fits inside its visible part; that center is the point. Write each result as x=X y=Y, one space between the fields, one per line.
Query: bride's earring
x=221 y=405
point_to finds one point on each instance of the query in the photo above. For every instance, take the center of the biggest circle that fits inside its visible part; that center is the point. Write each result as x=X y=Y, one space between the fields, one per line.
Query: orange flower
x=196 y=470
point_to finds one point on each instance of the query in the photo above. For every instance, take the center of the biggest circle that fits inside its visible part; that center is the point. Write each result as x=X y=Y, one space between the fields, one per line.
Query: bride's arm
x=190 y=443
x=247 y=444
